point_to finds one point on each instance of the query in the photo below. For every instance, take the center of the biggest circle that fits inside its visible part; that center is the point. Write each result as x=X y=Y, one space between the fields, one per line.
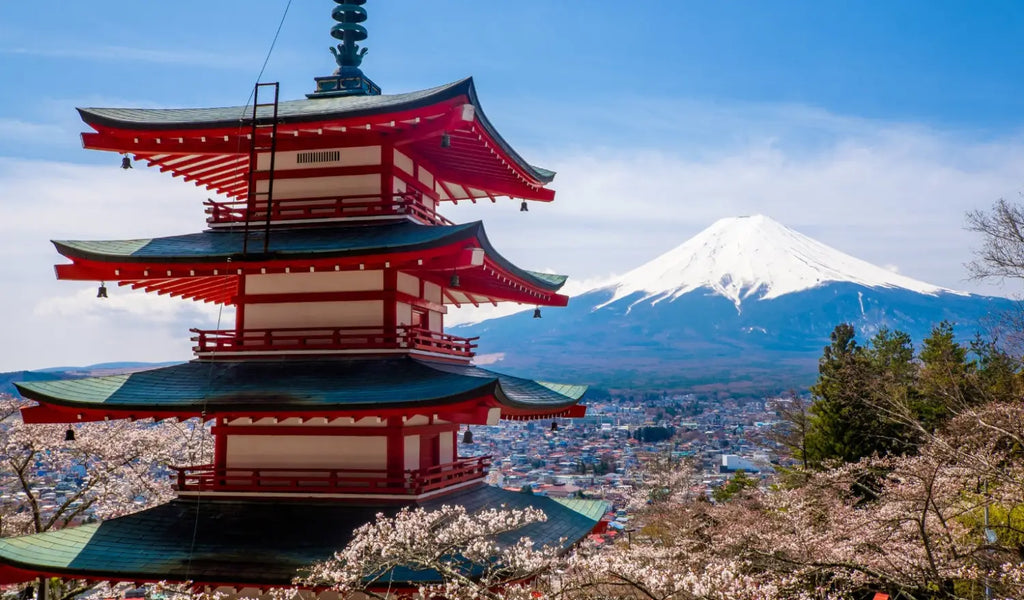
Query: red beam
x=47 y=412
x=322 y=172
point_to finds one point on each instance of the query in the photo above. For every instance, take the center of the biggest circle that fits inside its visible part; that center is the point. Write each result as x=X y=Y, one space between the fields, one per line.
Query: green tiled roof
x=256 y=543
x=299 y=111
x=216 y=245
x=320 y=242
x=323 y=384
x=591 y=509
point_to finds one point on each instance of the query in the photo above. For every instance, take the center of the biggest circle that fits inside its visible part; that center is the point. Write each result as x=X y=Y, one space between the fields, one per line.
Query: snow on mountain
x=753 y=257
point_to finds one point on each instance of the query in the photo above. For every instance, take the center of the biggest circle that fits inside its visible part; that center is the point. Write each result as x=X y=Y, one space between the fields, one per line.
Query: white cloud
x=26 y=131
x=48 y=322
x=890 y=193
x=887 y=193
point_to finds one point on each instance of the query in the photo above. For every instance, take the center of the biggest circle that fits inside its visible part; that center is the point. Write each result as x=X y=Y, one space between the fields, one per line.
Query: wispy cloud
x=26 y=131
x=891 y=193
x=194 y=58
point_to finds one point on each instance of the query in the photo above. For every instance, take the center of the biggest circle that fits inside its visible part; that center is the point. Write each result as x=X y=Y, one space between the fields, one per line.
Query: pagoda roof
x=439 y=250
x=338 y=387
x=254 y=543
x=164 y=136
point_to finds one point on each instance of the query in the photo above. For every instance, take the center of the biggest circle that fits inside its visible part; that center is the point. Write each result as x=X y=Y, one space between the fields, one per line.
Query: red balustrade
x=330 y=481
x=332 y=339
x=305 y=209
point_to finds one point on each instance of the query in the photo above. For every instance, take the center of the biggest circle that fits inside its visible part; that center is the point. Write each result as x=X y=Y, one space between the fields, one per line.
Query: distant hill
x=7 y=380
x=746 y=306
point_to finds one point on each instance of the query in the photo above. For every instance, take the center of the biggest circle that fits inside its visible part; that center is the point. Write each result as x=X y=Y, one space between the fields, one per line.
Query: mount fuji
x=744 y=306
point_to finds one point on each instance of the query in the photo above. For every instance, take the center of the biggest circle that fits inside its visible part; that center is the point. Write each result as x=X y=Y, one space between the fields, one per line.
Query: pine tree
x=998 y=373
x=946 y=378
x=857 y=396
x=839 y=394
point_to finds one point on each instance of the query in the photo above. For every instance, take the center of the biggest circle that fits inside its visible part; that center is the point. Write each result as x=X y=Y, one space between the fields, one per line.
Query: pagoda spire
x=348 y=79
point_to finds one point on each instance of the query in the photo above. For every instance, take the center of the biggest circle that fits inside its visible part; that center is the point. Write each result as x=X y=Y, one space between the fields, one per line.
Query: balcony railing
x=316 y=209
x=309 y=340
x=207 y=478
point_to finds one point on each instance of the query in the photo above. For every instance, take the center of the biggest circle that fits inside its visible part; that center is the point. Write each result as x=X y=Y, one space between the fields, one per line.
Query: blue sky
x=872 y=125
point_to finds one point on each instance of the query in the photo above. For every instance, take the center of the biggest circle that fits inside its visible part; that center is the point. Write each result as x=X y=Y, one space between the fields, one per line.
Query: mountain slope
x=754 y=257
x=746 y=305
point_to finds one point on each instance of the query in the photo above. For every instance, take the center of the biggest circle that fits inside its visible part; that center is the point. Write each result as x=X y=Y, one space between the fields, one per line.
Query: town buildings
x=336 y=394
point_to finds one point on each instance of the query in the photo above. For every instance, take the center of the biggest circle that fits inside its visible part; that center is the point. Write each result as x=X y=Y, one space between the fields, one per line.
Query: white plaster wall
x=426 y=178
x=403 y=162
x=432 y=292
x=320 y=187
x=409 y=284
x=447 y=447
x=412 y=452
x=436 y=321
x=307 y=452
x=350 y=157
x=288 y=283
x=403 y=313
x=362 y=313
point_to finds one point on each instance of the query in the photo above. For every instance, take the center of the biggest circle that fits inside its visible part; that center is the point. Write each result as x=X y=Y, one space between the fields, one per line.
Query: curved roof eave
x=177 y=542
x=299 y=243
x=547 y=281
x=304 y=111
x=297 y=385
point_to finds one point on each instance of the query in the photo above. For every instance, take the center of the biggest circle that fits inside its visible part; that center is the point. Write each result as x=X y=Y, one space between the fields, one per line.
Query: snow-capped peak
x=756 y=256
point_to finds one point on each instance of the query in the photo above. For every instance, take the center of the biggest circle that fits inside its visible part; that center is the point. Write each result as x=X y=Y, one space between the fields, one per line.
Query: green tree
x=892 y=391
x=735 y=486
x=839 y=400
x=998 y=373
x=946 y=380
x=859 y=393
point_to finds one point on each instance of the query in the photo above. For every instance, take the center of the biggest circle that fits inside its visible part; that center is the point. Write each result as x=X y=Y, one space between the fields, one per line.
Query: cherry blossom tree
x=913 y=526
x=463 y=550
x=108 y=469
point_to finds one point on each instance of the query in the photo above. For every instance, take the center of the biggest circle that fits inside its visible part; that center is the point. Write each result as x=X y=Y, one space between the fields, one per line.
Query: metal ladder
x=257 y=199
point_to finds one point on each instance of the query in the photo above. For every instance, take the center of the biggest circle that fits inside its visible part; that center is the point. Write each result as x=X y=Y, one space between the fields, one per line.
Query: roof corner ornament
x=348 y=57
x=348 y=80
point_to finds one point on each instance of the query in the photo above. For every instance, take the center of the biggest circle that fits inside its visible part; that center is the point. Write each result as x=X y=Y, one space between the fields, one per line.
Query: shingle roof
x=305 y=110
x=281 y=385
x=250 y=542
x=320 y=242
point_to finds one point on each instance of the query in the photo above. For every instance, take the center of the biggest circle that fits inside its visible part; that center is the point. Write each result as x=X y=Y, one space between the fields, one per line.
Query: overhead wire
x=220 y=312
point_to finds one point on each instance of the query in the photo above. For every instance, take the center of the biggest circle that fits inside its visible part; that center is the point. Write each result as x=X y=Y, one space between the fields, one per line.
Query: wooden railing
x=343 y=207
x=330 y=481
x=311 y=340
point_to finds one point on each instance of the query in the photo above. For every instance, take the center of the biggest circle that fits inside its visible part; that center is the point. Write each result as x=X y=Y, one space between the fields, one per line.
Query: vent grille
x=321 y=156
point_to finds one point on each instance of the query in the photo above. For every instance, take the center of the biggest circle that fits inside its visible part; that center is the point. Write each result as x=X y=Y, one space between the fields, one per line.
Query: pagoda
x=337 y=394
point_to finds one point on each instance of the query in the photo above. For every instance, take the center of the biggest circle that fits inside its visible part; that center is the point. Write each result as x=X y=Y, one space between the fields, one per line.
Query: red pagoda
x=337 y=394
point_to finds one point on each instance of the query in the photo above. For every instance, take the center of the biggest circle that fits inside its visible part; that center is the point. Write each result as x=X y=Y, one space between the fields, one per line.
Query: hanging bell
x=102 y=292
x=454 y=281
x=554 y=426
x=467 y=438
x=126 y=163
x=69 y=435
x=523 y=207
x=536 y=313
x=446 y=140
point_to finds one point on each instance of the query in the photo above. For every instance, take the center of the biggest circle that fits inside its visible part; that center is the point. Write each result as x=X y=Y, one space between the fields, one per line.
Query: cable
x=220 y=312
x=270 y=50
